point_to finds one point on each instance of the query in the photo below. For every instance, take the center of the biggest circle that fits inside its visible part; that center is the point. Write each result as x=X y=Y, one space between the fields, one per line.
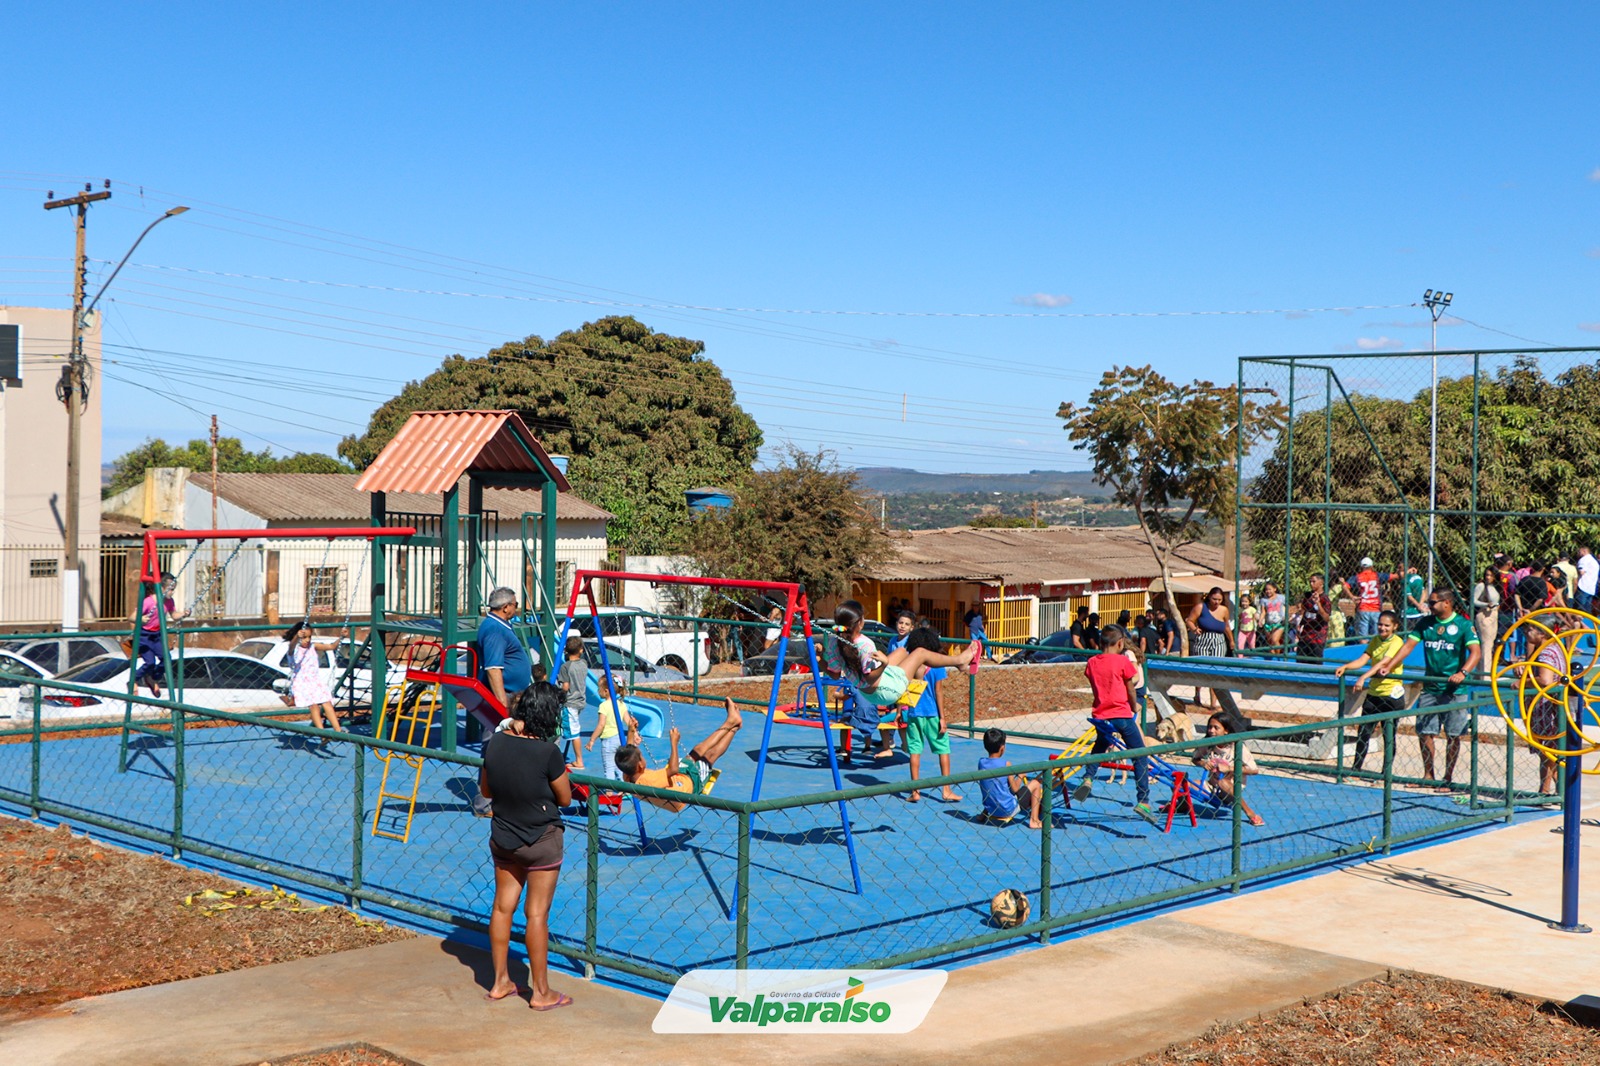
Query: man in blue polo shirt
x=503 y=661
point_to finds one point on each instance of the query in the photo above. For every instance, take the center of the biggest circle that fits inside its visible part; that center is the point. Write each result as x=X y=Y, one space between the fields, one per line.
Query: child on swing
x=306 y=685
x=691 y=775
x=882 y=679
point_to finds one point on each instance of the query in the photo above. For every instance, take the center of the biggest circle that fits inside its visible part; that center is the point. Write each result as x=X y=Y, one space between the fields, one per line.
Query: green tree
x=1538 y=443
x=803 y=521
x=1168 y=451
x=1002 y=521
x=127 y=470
x=642 y=416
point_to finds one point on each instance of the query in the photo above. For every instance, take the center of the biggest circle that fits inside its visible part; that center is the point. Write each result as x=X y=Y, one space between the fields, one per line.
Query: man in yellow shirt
x=1386 y=694
x=693 y=775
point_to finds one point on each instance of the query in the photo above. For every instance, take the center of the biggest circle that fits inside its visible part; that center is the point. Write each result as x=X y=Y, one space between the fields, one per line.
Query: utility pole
x=73 y=390
x=212 y=581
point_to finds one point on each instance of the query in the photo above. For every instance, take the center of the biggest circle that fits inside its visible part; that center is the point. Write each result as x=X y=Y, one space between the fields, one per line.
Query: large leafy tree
x=642 y=415
x=1168 y=451
x=127 y=470
x=1538 y=457
x=803 y=520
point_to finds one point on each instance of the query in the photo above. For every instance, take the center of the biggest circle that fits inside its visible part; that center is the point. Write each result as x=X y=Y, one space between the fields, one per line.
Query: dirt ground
x=1002 y=691
x=79 y=918
x=1406 y=1020
x=345 y=1055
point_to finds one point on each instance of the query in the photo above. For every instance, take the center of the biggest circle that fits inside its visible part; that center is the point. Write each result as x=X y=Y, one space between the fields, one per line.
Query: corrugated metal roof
x=434 y=449
x=305 y=497
x=1054 y=555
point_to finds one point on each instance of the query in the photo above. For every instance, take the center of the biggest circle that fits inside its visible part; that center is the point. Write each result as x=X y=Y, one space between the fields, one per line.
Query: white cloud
x=1373 y=344
x=1042 y=299
x=1593 y=253
x=1592 y=327
x=1594 y=175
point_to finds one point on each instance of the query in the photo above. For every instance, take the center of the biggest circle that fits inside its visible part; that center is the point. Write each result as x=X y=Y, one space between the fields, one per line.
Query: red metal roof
x=435 y=448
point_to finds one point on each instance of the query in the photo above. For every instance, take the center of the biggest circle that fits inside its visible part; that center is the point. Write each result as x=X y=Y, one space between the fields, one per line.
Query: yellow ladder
x=408 y=708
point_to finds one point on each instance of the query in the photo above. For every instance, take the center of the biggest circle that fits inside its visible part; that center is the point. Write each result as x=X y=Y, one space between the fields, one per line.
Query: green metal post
x=1327 y=479
x=1391 y=730
x=358 y=802
x=1288 y=494
x=1238 y=506
x=1511 y=778
x=741 y=928
x=695 y=673
x=380 y=606
x=1237 y=849
x=1472 y=786
x=475 y=563
x=1047 y=816
x=1338 y=737
x=547 y=570
x=1472 y=575
x=38 y=749
x=179 y=782
x=591 y=899
x=450 y=609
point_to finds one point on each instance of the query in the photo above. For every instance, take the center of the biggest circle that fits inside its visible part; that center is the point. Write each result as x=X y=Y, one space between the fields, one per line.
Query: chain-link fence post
x=1238 y=815
x=591 y=897
x=38 y=749
x=178 y=782
x=741 y=929
x=1391 y=730
x=358 y=826
x=1047 y=816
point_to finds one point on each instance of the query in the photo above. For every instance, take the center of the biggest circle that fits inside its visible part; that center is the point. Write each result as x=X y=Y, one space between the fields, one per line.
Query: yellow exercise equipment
x=1573 y=690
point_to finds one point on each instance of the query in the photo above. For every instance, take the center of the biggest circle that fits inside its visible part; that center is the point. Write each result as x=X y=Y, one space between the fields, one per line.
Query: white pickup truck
x=663 y=642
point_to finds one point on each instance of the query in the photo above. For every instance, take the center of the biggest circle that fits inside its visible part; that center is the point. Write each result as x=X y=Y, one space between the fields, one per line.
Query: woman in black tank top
x=526 y=778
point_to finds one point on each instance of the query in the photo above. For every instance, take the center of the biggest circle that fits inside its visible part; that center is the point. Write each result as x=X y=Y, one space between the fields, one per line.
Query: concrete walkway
x=1472 y=909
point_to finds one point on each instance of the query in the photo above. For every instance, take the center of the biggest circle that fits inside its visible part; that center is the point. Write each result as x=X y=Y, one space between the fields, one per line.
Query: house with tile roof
x=1028 y=582
x=276 y=579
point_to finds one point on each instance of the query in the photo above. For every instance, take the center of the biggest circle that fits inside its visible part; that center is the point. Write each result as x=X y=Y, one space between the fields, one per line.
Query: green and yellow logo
x=850 y=1009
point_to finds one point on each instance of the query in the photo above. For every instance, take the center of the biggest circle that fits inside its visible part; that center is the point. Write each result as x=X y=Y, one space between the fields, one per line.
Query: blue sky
x=375 y=186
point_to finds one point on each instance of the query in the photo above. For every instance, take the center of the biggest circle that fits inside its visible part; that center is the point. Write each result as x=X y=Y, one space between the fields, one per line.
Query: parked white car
x=665 y=643
x=216 y=679
x=332 y=661
x=56 y=654
x=16 y=674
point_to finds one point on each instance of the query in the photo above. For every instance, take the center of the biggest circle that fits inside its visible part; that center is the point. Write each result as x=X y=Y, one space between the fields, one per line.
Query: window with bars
x=44 y=567
x=323 y=589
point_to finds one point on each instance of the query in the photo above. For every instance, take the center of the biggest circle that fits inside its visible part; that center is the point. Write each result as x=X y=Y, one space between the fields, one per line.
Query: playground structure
x=729 y=880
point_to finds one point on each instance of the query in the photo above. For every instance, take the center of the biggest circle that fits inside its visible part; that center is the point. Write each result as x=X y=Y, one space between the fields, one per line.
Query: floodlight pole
x=1435 y=301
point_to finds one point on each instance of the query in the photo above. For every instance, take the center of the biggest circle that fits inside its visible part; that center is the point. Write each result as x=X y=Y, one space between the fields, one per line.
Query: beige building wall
x=33 y=470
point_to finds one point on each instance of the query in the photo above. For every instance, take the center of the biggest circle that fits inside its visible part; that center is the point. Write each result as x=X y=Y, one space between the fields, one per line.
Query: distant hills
x=895 y=481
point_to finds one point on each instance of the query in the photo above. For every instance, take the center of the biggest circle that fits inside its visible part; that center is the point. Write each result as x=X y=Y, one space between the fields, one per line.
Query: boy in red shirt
x=1112 y=678
x=1366 y=588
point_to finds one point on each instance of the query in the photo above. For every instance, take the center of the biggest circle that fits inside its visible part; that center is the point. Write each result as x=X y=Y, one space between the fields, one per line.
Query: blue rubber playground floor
x=928 y=869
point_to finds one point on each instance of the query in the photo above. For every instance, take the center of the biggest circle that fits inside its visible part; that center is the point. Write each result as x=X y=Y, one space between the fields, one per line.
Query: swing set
x=796 y=611
x=150 y=572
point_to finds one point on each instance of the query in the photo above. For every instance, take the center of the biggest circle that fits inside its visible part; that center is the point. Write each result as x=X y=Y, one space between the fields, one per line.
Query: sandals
x=562 y=1000
x=1257 y=820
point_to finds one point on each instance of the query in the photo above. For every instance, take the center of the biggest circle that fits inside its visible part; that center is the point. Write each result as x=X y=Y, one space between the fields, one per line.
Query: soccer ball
x=1009 y=908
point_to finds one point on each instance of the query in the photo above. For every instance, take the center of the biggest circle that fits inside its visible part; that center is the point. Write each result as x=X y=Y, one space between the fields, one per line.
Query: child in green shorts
x=925 y=720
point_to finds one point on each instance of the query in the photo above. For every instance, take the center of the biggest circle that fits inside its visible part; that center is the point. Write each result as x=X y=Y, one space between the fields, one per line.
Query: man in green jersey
x=1450 y=651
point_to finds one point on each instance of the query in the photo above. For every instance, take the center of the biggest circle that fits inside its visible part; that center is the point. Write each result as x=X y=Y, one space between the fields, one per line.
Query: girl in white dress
x=306 y=685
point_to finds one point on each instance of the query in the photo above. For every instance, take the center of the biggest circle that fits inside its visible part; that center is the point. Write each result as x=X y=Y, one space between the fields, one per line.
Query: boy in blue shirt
x=925 y=720
x=1003 y=796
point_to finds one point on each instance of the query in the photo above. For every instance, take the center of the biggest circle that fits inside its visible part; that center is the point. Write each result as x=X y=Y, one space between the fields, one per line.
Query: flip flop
x=521 y=991
x=562 y=1000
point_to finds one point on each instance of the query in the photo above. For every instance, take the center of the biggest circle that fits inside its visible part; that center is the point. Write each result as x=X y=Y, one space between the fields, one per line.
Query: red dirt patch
x=80 y=918
x=1408 y=1019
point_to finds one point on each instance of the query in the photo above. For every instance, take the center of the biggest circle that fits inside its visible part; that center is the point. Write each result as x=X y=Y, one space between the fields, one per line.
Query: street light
x=73 y=391
x=1435 y=301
